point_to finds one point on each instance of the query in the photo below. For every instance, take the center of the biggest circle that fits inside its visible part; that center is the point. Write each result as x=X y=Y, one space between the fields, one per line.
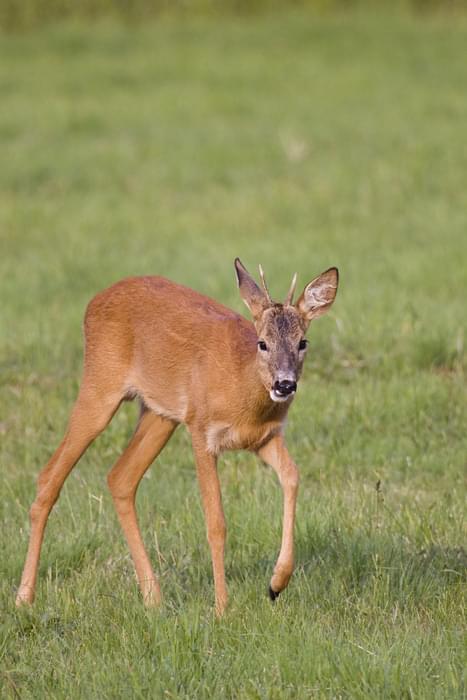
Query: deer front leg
x=276 y=455
x=206 y=465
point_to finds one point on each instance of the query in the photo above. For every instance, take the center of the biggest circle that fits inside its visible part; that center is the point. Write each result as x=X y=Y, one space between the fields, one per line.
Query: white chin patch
x=275 y=396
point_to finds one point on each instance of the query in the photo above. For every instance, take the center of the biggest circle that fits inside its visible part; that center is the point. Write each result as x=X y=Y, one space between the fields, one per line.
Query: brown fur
x=189 y=360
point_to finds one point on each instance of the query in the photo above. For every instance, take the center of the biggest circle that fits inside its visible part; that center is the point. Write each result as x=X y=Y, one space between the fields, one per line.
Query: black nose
x=285 y=387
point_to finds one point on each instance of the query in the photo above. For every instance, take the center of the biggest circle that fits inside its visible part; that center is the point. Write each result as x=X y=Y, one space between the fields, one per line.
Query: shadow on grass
x=359 y=565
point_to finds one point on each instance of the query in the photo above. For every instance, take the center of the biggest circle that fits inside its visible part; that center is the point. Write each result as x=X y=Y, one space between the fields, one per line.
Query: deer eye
x=302 y=344
x=262 y=345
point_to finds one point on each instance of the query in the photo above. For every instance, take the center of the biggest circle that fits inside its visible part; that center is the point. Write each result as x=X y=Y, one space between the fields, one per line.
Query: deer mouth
x=279 y=396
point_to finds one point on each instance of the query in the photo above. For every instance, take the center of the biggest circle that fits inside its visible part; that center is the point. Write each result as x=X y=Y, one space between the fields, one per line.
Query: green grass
x=299 y=143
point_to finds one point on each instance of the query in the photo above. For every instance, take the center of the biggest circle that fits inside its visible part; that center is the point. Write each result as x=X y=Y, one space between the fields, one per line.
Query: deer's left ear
x=318 y=295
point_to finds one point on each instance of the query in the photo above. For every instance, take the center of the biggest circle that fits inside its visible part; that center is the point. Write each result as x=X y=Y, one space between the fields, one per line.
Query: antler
x=291 y=292
x=261 y=274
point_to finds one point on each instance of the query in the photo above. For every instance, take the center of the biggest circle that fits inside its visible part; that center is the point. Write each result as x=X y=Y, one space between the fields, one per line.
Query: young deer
x=189 y=360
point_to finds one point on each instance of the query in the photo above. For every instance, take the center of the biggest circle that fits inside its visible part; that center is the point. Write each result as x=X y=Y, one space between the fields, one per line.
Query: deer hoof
x=272 y=594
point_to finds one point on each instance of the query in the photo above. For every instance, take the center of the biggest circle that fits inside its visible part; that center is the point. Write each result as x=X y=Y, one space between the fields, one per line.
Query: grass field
x=294 y=141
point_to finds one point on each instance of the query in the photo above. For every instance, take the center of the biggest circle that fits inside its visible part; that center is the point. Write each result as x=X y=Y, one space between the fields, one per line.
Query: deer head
x=281 y=328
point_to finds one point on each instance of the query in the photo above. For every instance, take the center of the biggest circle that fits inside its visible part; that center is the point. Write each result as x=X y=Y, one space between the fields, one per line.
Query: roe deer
x=189 y=360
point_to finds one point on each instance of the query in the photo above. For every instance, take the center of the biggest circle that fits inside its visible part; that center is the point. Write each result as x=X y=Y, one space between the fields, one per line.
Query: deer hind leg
x=276 y=455
x=151 y=435
x=91 y=413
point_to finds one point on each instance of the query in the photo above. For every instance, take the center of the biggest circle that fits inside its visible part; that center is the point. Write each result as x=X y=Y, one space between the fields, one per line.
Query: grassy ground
x=298 y=143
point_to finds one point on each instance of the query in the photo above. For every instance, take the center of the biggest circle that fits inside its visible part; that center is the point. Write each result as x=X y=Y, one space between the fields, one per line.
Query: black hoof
x=272 y=594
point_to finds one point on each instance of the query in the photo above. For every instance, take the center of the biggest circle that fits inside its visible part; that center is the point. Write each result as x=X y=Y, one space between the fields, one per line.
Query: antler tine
x=291 y=292
x=265 y=287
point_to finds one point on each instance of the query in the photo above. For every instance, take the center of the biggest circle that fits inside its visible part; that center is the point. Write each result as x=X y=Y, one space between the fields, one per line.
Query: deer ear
x=252 y=295
x=318 y=295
